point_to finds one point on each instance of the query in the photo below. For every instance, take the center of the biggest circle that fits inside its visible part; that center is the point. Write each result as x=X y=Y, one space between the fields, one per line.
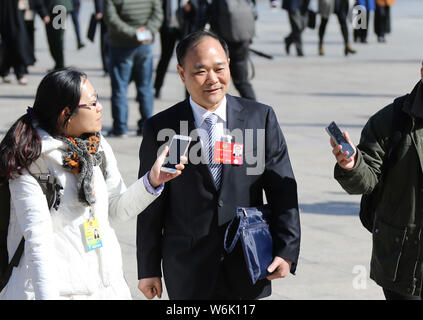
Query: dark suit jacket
x=184 y=227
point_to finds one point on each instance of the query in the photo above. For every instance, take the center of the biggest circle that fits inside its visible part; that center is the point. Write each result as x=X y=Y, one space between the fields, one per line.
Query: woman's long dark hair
x=21 y=145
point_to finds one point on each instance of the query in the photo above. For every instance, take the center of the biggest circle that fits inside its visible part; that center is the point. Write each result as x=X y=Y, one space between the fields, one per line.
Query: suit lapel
x=235 y=119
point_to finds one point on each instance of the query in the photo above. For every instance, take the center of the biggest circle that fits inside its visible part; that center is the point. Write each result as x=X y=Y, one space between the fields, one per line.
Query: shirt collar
x=201 y=113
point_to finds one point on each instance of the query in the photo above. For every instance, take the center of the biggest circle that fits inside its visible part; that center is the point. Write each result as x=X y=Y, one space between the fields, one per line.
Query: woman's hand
x=158 y=177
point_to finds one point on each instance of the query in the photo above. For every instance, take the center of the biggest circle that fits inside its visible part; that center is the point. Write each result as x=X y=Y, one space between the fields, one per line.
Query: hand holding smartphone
x=339 y=138
x=178 y=148
x=144 y=35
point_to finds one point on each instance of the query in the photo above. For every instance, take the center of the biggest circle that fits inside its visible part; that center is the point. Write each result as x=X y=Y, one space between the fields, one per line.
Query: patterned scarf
x=81 y=157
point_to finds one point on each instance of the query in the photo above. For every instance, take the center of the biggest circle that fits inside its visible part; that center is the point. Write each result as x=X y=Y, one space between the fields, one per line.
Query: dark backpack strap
x=399 y=129
x=13 y=263
x=51 y=188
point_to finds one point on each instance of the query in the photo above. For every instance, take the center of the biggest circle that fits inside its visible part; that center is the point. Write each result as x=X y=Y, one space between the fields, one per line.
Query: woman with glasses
x=70 y=251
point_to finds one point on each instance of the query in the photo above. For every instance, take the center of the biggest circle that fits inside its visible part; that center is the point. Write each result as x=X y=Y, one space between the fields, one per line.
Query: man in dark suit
x=184 y=228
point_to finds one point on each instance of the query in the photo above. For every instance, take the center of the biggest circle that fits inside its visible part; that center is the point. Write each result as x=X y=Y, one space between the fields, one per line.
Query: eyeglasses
x=92 y=105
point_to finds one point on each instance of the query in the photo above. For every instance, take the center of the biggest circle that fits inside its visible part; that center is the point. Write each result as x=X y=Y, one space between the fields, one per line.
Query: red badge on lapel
x=228 y=153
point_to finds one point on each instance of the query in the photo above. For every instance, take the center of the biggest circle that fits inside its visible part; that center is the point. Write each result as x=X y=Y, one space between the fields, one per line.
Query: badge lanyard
x=92 y=231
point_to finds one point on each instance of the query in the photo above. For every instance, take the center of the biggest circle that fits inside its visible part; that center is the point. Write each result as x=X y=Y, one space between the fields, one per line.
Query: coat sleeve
x=281 y=193
x=370 y=155
x=114 y=21
x=40 y=8
x=34 y=219
x=98 y=5
x=156 y=17
x=124 y=203
x=150 y=222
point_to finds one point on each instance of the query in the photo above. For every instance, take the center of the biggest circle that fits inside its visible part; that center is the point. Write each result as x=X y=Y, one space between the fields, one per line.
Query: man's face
x=206 y=73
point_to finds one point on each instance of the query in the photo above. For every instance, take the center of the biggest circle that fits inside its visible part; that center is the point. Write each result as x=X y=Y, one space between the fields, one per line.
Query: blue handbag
x=251 y=227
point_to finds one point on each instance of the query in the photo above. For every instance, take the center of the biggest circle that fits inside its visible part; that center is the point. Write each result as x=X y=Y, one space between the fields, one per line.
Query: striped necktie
x=215 y=168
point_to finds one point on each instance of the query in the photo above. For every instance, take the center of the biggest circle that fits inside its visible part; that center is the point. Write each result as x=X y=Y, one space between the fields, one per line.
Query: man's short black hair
x=191 y=39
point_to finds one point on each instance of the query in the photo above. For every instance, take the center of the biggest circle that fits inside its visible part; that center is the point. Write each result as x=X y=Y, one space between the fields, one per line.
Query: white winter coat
x=56 y=263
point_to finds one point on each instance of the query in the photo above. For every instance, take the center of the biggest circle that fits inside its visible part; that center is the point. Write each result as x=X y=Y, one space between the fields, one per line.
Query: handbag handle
x=237 y=234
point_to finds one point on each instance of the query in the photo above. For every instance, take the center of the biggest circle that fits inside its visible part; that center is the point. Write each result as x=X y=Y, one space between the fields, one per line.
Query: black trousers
x=342 y=19
x=168 y=39
x=382 y=21
x=296 y=21
x=391 y=295
x=239 y=53
x=104 y=46
x=362 y=33
x=75 y=20
x=227 y=284
x=55 y=43
x=10 y=59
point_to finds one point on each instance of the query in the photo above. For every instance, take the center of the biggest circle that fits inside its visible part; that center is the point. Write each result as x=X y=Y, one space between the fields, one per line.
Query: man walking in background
x=131 y=26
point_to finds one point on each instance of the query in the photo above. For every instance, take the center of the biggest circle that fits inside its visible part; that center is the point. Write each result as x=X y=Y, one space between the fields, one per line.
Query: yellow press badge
x=92 y=234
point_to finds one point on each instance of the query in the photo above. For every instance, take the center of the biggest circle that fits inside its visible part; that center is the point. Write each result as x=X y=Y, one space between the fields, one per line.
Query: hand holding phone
x=343 y=149
x=144 y=35
x=157 y=176
x=172 y=168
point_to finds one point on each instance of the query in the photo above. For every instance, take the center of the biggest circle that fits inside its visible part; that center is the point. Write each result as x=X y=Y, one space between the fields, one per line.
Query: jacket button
x=220 y=203
x=397 y=239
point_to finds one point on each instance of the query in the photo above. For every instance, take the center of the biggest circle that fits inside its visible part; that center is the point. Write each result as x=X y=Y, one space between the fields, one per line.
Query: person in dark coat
x=177 y=23
x=296 y=12
x=104 y=44
x=170 y=33
x=17 y=51
x=388 y=161
x=75 y=19
x=55 y=31
x=35 y=6
x=238 y=50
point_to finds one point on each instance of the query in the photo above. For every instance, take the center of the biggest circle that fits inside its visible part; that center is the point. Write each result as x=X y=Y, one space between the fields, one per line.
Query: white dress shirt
x=201 y=113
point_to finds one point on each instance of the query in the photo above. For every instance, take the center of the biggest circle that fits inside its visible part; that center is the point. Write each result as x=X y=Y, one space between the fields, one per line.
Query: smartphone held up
x=336 y=134
x=178 y=148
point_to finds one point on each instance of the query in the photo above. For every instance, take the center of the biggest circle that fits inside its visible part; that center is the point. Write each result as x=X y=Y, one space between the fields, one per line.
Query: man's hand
x=46 y=19
x=151 y=287
x=341 y=157
x=158 y=177
x=279 y=268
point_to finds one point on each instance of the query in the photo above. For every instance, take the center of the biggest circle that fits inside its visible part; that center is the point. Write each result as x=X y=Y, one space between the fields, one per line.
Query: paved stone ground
x=306 y=93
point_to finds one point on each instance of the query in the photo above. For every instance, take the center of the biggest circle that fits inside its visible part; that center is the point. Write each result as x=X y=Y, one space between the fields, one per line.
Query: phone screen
x=337 y=135
x=177 y=149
